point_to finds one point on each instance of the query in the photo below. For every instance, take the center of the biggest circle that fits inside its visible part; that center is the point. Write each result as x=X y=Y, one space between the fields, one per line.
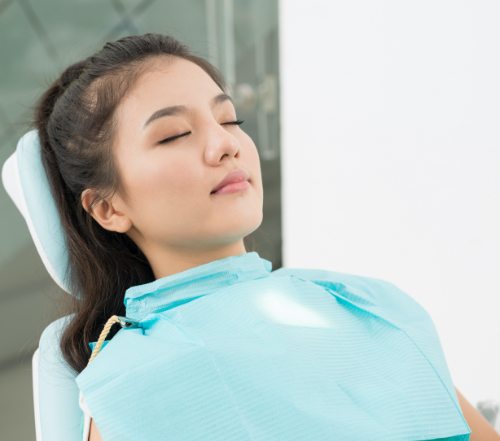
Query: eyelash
x=172 y=138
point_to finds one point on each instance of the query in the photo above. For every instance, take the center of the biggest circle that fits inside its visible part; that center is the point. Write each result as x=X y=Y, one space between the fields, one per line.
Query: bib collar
x=175 y=289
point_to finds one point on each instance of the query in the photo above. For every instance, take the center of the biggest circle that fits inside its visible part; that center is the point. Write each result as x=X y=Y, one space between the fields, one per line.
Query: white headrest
x=25 y=181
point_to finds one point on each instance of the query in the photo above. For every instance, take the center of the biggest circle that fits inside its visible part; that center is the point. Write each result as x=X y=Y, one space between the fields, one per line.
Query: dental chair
x=57 y=411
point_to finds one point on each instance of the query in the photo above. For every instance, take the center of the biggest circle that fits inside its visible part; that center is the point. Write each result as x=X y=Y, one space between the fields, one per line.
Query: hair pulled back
x=75 y=123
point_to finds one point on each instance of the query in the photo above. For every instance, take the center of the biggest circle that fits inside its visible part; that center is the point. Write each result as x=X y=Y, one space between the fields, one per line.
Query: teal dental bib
x=233 y=351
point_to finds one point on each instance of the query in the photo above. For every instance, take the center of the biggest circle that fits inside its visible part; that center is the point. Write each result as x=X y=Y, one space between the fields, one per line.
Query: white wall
x=391 y=159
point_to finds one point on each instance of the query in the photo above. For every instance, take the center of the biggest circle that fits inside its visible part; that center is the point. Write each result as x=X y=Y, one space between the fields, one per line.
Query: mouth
x=235 y=176
x=232 y=187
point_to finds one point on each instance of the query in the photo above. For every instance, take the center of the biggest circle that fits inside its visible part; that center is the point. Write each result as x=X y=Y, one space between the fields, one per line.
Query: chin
x=242 y=225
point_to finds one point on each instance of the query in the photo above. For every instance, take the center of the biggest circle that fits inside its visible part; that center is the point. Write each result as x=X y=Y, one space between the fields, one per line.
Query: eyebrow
x=176 y=110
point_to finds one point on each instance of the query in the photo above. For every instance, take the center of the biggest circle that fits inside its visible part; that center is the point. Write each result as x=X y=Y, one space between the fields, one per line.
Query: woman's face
x=167 y=207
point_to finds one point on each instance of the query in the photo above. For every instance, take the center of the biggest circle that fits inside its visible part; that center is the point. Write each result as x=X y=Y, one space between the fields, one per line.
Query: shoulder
x=386 y=301
x=379 y=296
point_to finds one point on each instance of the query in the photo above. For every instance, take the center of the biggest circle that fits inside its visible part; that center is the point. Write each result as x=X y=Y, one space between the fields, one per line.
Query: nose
x=219 y=143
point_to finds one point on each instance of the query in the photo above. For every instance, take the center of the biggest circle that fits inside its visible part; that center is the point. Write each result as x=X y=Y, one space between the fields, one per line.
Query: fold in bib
x=231 y=350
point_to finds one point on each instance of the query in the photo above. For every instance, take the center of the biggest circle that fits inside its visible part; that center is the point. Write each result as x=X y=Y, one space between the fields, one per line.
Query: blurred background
x=377 y=127
x=38 y=40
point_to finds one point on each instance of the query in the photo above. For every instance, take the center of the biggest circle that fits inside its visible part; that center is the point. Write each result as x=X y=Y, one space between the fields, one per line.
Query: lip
x=237 y=175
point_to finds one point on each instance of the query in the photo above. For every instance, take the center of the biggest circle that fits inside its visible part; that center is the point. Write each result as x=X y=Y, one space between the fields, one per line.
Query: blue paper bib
x=231 y=350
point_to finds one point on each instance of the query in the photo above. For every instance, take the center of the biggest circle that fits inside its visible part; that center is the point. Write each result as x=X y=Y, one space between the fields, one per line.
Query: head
x=163 y=201
x=134 y=204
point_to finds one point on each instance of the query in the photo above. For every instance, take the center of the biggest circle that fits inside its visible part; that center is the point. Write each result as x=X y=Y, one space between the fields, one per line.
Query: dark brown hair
x=75 y=122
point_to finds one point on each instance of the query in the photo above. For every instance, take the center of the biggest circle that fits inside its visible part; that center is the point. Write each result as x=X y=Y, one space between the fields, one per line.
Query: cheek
x=157 y=184
x=254 y=163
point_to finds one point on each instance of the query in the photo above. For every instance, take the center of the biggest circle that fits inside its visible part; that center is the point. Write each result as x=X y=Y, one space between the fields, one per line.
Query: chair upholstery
x=26 y=183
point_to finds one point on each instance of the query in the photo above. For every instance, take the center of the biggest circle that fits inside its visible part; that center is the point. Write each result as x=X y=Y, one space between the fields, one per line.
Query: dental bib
x=233 y=351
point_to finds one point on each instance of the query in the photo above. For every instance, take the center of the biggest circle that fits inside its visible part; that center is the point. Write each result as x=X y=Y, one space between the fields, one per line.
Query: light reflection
x=285 y=310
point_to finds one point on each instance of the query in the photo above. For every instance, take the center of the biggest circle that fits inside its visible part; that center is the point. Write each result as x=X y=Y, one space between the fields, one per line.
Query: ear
x=106 y=212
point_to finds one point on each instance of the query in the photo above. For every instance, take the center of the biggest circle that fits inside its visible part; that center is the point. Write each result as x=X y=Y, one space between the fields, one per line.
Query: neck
x=167 y=261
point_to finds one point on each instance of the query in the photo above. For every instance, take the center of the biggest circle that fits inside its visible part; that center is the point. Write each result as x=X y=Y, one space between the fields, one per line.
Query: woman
x=157 y=186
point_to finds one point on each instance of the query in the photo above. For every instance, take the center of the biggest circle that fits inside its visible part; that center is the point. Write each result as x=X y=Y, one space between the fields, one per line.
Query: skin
x=481 y=429
x=165 y=204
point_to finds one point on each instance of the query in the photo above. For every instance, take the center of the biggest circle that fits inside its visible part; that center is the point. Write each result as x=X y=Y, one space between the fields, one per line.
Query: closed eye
x=237 y=122
x=173 y=138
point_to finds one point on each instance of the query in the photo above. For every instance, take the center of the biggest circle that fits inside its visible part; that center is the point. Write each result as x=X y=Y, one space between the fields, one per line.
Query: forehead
x=170 y=81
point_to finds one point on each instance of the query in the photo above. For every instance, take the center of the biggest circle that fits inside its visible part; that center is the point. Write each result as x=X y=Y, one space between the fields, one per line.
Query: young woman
x=157 y=185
